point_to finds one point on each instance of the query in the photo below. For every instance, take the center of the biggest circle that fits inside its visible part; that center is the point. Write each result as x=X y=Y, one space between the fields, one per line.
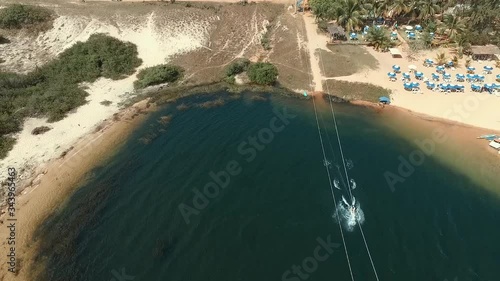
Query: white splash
x=349 y=215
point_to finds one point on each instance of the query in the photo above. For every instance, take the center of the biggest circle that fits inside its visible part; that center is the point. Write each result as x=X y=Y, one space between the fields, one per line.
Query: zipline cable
x=345 y=169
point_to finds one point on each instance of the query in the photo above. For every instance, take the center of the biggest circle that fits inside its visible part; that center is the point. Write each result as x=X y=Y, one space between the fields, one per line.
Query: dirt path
x=314 y=41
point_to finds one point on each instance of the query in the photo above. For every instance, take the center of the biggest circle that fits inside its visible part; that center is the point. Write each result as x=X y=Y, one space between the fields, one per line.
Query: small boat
x=336 y=183
x=488 y=137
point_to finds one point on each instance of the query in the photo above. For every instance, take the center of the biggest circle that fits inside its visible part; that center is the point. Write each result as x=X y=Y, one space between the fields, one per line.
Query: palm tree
x=427 y=9
x=452 y=26
x=427 y=39
x=379 y=7
x=441 y=58
x=399 y=7
x=378 y=38
x=350 y=14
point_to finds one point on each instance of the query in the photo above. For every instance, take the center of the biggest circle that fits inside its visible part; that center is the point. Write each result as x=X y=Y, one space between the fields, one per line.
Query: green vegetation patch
x=355 y=90
x=6 y=144
x=158 y=74
x=18 y=16
x=236 y=67
x=262 y=73
x=52 y=90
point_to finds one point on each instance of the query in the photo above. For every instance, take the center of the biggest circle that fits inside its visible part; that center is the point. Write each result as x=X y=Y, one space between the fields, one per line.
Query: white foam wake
x=347 y=217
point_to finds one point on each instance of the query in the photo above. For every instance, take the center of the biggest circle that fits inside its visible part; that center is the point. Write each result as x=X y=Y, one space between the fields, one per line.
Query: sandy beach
x=61 y=177
x=470 y=108
x=474 y=109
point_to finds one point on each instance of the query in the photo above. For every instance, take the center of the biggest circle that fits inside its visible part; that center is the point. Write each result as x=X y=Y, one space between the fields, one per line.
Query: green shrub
x=40 y=130
x=3 y=39
x=99 y=56
x=158 y=74
x=236 y=67
x=262 y=73
x=266 y=44
x=6 y=144
x=52 y=90
x=230 y=79
x=18 y=16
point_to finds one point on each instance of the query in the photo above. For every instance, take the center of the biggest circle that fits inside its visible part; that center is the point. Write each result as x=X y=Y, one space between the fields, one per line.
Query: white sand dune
x=155 y=45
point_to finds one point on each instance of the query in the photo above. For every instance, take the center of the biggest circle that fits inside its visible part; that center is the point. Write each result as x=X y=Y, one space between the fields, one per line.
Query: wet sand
x=62 y=177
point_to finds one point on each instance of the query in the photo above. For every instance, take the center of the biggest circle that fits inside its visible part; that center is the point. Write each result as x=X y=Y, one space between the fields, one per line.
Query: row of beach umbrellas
x=446 y=76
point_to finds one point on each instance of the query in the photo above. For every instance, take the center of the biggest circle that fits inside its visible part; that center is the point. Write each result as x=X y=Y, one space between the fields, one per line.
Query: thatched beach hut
x=488 y=52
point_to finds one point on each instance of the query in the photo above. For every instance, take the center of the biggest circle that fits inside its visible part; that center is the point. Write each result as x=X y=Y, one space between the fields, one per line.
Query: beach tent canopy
x=384 y=100
x=395 y=53
x=485 y=52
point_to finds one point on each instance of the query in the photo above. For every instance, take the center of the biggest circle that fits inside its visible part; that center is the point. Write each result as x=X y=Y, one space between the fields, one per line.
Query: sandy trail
x=314 y=41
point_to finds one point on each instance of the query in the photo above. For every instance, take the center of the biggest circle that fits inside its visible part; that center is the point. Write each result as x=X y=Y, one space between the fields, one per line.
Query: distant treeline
x=463 y=22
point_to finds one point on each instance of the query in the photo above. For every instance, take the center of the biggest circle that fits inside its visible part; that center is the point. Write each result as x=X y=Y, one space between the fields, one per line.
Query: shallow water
x=276 y=210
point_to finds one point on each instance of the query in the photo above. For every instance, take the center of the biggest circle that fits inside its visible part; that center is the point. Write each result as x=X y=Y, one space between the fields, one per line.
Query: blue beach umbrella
x=391 y=74
x=431 y=85
x=396 y=67
x=498 y=77
x=419 y=74
x=406 y=75
x=470 y=68
x=418 y=27
x=354 y=35
x=407 y=86
x=487 y=67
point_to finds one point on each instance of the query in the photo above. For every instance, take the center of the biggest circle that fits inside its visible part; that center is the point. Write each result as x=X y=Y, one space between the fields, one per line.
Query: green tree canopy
x=158 y=74
x=262 y=73
x=18 y=16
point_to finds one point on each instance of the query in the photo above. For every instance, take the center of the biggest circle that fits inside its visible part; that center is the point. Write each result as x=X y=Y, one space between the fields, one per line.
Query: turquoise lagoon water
x=276 y=214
